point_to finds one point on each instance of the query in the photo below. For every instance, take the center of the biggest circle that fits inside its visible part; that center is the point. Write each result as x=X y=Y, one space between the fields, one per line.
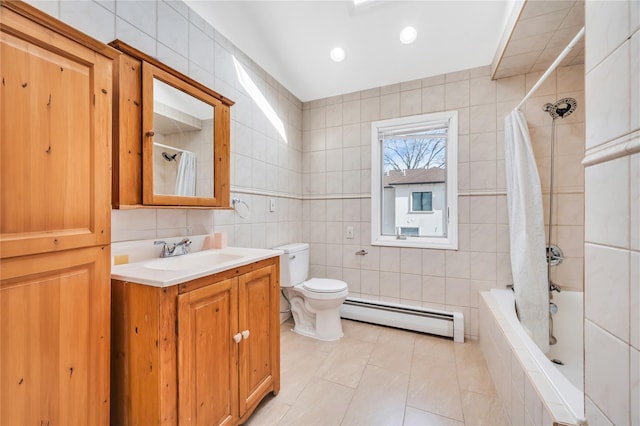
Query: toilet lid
x=324 y=285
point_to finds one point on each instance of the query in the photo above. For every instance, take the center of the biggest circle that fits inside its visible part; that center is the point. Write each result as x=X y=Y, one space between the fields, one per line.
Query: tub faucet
x=178 y=249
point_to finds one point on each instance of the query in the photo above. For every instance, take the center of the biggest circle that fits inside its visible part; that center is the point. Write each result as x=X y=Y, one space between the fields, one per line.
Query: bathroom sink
x=194 y=261
x=168 y=271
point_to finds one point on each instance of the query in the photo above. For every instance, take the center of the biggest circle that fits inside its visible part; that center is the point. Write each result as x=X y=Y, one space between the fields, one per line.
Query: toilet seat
x=324 y=285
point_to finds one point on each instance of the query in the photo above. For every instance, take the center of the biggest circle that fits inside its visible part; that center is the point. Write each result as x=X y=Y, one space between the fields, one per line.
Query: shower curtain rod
x=552 y=67
x=170 y=147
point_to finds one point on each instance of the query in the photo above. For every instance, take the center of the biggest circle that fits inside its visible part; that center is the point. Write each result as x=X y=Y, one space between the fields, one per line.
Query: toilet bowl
x=315 y=303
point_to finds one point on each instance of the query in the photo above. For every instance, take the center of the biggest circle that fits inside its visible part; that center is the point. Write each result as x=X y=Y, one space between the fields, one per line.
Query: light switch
x=350 y=232
x=272 y=205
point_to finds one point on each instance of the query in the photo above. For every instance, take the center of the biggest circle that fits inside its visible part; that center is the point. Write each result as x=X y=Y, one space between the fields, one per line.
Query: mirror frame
x=220 y=142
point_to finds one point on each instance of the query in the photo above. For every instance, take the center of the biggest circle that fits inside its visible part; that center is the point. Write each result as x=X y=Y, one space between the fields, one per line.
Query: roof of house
x=414 y=176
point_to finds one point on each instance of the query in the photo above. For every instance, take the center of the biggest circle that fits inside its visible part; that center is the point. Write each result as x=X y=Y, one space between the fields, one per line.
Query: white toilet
x=315 y=303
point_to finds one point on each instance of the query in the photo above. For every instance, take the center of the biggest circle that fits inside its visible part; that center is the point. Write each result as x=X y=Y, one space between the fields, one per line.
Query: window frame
x=450 y=242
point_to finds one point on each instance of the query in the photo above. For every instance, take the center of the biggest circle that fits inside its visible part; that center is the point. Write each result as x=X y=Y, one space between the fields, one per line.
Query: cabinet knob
x=237 y=337
x=245 y=334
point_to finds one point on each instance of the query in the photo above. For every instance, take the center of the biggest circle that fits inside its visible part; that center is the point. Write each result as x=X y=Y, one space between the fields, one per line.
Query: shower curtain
x=186 y=177
x=526 y=230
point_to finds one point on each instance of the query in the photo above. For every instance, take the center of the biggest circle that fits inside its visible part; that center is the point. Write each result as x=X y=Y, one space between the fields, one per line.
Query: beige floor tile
x=415 y=417
x=297 y=342
x=433 y=387
x=393 y=350
x=320 y=403
x=473 y=374
x=361 y=331
x=480 y=409
x=397 y=336
x=299 y=362
x=379 y=399
x=268 y=413
x=433 y=347
x=345 y=364
x=380 y=375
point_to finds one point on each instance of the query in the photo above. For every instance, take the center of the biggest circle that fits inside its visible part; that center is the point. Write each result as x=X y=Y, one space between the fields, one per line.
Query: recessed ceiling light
x=408 y=35
x=337 y=54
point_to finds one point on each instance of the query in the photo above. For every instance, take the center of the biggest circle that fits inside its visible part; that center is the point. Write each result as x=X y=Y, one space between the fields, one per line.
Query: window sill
x=416 y=242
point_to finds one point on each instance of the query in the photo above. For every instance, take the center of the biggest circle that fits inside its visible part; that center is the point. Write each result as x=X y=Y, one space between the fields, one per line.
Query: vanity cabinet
x=204 y=352
x=55 y=144
x=167 y=126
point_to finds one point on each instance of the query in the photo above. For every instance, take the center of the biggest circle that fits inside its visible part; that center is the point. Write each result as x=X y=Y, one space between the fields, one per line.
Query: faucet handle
x=165 y=248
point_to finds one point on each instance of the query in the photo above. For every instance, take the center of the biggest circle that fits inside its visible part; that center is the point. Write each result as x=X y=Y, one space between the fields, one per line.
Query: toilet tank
x=294 y=264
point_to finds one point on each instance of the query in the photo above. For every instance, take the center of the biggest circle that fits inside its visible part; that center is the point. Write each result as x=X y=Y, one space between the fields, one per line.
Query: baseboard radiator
x=416 y=318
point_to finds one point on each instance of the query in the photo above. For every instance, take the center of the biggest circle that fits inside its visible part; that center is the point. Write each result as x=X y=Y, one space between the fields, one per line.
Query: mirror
x=185 y=155
x=182 y=143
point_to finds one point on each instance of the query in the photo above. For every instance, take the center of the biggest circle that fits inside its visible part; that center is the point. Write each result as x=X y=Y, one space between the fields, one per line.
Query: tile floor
x=378 y=375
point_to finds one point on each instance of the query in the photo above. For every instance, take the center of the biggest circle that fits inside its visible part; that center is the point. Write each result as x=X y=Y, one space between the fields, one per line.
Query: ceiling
x=542 y=31
x=291 y=40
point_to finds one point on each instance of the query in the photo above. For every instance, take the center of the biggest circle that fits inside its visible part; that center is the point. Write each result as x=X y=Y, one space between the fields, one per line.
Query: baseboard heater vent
x=416 y=318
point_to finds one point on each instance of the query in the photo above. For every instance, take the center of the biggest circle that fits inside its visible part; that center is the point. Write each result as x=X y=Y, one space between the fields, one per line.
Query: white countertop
x=165 y=272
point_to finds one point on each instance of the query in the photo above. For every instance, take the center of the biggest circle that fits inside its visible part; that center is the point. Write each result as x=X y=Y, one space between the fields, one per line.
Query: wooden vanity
x=205 y=351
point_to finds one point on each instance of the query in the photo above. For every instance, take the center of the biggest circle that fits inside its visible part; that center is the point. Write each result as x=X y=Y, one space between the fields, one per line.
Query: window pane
x=417 y=202
x=414 y=181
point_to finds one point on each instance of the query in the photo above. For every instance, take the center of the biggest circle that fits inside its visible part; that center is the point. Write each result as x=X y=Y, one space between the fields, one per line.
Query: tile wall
x=336 y=164
x=612 y=220
x=263 y=165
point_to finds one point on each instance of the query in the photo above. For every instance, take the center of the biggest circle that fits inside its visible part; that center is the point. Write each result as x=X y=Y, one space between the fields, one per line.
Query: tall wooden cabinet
x=55 y=137
x=205 y=352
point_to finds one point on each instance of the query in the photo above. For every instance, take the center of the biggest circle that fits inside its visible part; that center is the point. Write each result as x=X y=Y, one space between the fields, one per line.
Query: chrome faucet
x=178 y=249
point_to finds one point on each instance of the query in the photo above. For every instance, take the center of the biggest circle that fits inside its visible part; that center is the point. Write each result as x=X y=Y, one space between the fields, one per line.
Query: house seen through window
x=414 y=181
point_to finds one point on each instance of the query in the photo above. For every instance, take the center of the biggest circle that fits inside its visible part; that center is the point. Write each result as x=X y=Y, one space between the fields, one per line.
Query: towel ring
x=235 y=202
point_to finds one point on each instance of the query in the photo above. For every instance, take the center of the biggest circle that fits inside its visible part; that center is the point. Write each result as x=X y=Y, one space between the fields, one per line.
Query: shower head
x=562 y=108
x=169 y=157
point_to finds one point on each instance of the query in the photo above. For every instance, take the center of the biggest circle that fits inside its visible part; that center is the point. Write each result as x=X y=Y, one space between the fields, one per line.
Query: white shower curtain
x=186 y=177
x=526 y=230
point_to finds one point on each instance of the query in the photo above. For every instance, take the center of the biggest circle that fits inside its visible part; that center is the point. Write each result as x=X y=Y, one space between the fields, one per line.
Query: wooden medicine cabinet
x=171 y=136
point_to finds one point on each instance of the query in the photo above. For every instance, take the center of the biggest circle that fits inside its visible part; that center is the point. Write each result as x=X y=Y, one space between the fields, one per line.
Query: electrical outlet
x=350 y=232
x=272 y=205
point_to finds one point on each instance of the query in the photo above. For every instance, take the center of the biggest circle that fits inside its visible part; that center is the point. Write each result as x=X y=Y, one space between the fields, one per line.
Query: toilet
x=315 y=303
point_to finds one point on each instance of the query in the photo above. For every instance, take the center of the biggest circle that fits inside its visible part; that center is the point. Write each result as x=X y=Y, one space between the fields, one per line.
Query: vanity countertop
x=165 y=272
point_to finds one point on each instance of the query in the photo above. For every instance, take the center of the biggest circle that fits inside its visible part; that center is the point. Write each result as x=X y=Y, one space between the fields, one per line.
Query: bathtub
x=533 y=389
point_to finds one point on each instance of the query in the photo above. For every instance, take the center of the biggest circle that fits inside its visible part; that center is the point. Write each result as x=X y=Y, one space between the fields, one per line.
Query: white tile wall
x=607 y=288
x=608 y=26
x=609 y=110
x=612 y=331
x=607 y=378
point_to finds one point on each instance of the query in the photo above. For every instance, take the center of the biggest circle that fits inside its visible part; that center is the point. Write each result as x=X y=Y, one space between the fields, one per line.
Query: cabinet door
x=55 y=139
x=259 y=352
x=54 y=335
x=207 y=353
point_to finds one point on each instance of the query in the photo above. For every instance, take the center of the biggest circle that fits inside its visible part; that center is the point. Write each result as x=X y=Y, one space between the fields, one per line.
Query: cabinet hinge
x=177 y=327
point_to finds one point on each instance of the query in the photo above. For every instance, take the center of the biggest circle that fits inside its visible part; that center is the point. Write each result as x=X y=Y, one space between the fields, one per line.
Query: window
x=408 y=230
x=414 y=186
x=421 y=201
